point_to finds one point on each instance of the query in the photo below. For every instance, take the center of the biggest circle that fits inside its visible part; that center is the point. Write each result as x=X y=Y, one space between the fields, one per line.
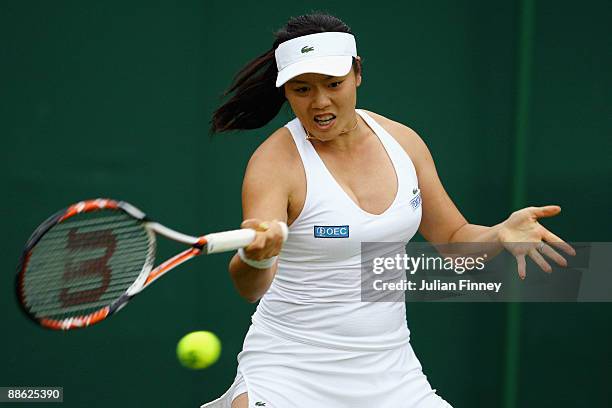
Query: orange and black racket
x=87 y=261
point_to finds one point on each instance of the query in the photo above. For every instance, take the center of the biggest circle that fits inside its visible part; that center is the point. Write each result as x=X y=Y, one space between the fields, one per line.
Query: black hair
x=255 y=100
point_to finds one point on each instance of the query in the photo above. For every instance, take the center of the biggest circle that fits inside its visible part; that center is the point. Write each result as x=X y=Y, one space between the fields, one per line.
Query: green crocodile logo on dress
x=306 y=49
x=260 y=404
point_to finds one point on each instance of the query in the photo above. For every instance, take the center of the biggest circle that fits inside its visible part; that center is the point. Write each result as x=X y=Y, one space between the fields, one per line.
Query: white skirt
x=282 y=373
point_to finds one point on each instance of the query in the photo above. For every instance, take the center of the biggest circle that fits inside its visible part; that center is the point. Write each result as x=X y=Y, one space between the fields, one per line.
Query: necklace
x=310 y=137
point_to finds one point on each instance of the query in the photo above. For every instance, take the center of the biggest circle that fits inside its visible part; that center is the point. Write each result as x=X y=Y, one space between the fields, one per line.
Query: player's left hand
x=521 y=234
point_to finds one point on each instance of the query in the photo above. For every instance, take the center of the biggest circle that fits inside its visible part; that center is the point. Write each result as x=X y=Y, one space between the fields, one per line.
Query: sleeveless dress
x=312 y=341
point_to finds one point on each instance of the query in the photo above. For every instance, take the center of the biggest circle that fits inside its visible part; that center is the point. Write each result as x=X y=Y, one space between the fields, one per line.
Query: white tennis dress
x=313 y=342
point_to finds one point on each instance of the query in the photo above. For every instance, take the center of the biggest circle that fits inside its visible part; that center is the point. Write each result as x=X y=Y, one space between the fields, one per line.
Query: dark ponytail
x=255 y=100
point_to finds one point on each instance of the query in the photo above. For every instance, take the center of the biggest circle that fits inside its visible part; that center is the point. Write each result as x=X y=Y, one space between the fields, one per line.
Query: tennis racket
x=86 y=262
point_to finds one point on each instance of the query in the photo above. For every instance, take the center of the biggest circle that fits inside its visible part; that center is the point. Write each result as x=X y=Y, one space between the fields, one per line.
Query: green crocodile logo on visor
x=306 y=49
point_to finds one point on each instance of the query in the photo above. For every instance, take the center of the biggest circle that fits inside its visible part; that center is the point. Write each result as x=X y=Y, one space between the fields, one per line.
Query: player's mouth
x=325 y=121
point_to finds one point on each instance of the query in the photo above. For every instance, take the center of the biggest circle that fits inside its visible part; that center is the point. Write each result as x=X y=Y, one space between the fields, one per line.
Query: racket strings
x=81 y=299
x=40 y=265
x=85 y=263
x=55 y=239
x=71 y=311
x=47 y=294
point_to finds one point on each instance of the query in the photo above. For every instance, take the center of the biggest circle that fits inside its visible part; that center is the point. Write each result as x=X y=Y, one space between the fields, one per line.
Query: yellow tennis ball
x=198 y=350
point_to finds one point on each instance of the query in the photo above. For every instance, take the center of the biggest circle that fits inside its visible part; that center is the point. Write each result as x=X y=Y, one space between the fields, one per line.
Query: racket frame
x=147 y=275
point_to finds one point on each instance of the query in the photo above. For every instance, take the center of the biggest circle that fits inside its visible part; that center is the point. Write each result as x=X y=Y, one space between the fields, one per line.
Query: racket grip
x=229 y=240
x=232 y=240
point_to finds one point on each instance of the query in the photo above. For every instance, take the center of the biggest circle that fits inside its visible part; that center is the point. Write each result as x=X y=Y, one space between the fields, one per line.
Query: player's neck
x=347 y=140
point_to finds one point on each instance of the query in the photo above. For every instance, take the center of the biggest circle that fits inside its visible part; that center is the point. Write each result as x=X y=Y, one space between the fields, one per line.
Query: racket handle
x=232 y=240
x=229 y=240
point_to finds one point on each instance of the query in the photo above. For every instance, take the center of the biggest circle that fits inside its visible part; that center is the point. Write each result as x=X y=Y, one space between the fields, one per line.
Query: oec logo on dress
x=331 y=231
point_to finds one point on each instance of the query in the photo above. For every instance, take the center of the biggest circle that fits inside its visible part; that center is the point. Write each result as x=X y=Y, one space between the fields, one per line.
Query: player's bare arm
x=442 y=222
x=266 y=192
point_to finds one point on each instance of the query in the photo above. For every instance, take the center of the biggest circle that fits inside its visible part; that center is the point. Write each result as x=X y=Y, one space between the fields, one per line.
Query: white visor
x=322 y=53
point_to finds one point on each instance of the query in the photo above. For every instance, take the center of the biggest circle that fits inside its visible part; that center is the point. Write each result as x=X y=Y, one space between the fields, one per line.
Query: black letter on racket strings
x=98 y=266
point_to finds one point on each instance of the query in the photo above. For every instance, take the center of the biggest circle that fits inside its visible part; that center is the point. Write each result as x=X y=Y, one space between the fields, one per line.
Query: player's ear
x=357 y=70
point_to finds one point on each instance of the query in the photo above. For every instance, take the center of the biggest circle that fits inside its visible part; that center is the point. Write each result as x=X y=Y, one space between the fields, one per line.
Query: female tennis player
x=338 y=176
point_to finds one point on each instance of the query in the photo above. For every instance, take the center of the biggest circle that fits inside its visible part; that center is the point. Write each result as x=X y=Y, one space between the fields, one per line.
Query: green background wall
x=113 y=99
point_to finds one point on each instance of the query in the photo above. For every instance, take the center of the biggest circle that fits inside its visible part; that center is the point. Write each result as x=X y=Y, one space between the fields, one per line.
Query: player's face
x=324 y=104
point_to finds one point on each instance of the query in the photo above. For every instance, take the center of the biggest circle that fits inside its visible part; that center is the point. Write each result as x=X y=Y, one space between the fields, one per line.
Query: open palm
x=522 y=235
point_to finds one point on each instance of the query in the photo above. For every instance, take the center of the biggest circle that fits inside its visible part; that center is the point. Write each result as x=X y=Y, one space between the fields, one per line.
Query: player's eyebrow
x=297 y=81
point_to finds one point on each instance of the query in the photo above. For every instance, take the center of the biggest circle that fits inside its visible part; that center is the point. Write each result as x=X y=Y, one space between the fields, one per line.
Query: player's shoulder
x=278 y=148
x=408 y=138
x=276 y=157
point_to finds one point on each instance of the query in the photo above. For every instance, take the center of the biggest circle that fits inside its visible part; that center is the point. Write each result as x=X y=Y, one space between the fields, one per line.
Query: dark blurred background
x=113 y=99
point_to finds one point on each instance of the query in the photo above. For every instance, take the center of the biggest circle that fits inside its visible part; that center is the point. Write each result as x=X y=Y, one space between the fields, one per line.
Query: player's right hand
x=268 y=240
